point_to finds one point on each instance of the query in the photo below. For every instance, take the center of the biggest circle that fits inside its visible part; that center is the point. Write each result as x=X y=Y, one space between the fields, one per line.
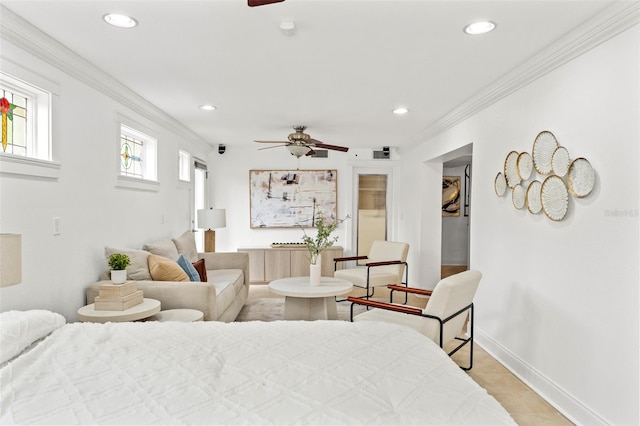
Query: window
x=25 y=119
x=138 y=157
x=184 y=166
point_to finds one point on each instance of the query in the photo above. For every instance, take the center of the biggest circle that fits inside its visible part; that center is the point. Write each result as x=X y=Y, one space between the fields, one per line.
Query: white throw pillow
x=20 y=329
x=186 y=245
x=165 y=248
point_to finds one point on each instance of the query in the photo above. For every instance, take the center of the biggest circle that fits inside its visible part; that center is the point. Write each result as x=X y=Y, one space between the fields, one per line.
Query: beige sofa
x=220 y=298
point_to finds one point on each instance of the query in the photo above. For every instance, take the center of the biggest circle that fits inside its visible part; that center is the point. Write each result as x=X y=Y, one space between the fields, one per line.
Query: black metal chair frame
x=373 y=265
x=410 y=310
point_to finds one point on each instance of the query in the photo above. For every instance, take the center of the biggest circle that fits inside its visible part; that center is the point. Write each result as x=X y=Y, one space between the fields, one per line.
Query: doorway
x=371 y=206
x=456 y=211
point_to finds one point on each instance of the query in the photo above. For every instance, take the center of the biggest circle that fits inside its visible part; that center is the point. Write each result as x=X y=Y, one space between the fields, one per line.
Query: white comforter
x=322 y=372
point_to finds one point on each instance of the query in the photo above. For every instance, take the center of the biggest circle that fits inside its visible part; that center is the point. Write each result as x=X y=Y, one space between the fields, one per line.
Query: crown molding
x=21 y=33
x=614 y=20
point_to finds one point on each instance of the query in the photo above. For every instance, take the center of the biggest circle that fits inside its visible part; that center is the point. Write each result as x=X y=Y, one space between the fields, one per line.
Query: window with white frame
x=184 y=166
x=138 y=154
x=26 y=111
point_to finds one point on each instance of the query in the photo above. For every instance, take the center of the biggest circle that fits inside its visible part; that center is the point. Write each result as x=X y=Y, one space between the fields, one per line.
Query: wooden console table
x=271 y=263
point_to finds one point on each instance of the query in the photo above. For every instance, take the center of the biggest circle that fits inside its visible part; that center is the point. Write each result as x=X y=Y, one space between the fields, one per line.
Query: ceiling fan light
x=481 y=27
x=298 y=150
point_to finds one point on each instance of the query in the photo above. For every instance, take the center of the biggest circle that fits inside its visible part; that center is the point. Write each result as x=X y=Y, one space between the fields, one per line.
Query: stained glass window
x=14 y=123
x=137 y=154
x=26 y=111
x=131 y=152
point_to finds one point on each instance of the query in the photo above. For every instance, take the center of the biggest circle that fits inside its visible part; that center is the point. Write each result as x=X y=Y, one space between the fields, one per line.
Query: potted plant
x=322 y=240
x=118 y=263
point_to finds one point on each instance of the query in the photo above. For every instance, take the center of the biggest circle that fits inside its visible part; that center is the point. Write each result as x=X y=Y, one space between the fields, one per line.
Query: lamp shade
x=212 y=218
x=10 y=259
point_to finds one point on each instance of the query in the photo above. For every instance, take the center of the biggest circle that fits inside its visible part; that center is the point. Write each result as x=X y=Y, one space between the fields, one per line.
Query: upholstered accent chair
x=385 y=264
x=443 y=318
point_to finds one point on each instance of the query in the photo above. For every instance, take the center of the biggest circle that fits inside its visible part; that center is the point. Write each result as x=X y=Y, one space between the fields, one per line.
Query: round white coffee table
x=182 y=315
x=305 y=302
x=147 y=308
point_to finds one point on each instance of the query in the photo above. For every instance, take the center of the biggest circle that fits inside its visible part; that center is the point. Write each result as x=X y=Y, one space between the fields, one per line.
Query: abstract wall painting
x=292 y=198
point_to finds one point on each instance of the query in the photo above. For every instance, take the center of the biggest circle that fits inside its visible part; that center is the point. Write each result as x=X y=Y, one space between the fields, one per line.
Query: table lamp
x=211 y=219
x=10 y=259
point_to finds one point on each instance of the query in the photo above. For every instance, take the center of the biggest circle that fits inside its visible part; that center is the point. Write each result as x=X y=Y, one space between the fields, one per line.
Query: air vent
x=381 y=155
x=320 y=153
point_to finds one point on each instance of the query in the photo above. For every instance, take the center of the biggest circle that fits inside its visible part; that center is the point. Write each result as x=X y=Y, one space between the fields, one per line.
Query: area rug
x=259 y=308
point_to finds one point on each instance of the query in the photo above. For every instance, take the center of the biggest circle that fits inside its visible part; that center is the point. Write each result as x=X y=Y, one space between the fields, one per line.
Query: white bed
x=284 y=372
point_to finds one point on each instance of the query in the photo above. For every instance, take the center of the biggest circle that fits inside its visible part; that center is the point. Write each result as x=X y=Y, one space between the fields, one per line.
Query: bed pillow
x=186 y=244
x=202 y=270
x=165 y=248
x=20 y=329
x=139 y=268
x=164 y=269
x=188 y=268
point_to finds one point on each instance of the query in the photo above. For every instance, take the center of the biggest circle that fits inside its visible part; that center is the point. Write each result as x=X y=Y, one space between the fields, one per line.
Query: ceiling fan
x=300 y=143
x=253 y=3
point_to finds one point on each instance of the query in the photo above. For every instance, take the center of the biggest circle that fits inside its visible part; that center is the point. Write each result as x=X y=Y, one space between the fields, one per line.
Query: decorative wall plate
x=511 y=169
x=534 y=202
x=525 y=165
x=517 y=197
x=555 y=198
x=560 y=161
x=500 y=184
x=581 y=178
x=543 y=148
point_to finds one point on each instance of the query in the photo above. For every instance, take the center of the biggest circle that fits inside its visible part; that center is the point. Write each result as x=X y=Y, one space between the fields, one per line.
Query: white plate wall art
x=560 y=161
x=543 y=148
x=553 y=177
x=555 y=198
x=581 y=178
x=534 y=202
x=500 y=184
x=517 y=197
x=511 y=169
x=525 y=165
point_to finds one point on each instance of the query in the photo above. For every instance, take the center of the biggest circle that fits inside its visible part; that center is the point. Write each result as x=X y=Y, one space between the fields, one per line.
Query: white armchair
x=386 y=264
x=442 y=320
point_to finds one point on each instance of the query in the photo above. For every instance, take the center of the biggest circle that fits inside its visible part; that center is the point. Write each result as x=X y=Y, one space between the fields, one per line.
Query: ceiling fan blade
x=273 y=142
x=318 y=144
x=274 y=146
x=310 y=153
x=253 y=3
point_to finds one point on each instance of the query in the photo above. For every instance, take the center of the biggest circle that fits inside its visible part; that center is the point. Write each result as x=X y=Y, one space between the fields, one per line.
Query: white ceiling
x=348 y=65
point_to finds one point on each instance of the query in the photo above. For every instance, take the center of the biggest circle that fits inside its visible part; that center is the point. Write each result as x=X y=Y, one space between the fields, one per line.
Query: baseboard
x=564 y=402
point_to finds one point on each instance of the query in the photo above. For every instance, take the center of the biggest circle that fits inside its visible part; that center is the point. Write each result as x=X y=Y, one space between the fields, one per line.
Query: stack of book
x=118 y=297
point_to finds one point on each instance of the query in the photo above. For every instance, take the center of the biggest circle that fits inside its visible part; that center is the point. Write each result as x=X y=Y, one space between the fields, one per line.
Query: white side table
x=182 y=315
x=305 y=302
x=147 y=308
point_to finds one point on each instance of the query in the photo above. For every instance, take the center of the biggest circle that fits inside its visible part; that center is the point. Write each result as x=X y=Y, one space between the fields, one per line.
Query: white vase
x=315 y=271
x=118 y=276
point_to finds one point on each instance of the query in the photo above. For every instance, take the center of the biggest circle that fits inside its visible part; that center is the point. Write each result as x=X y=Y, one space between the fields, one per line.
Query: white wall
x=93 y=212
x=559 y=301
x=229 y=186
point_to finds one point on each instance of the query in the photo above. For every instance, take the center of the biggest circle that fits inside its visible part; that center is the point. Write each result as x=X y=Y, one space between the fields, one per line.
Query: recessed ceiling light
x=400 y=111
x=478 y=28
x=121 y=21
x=207 y=107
